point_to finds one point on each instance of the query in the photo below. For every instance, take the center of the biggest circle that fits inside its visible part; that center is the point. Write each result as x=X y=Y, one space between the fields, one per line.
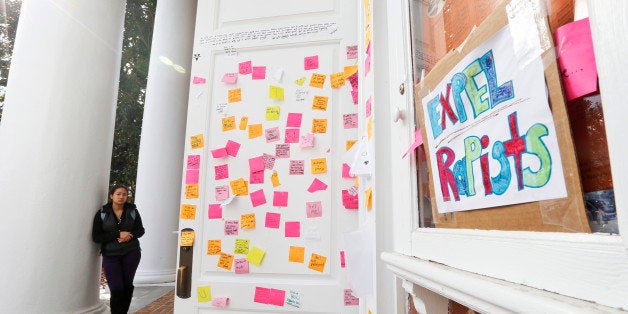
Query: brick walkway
x=163 y=305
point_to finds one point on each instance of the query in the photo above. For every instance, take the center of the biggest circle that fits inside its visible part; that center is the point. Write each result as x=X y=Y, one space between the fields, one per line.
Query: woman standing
x=117 y=227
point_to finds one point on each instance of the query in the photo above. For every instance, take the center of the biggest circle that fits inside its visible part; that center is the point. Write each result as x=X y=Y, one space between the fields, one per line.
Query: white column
x=56 y=136
x=160 y=159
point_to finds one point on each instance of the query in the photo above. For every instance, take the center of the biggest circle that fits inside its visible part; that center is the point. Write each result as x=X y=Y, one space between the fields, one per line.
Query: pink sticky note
x=258 y=198
x=269 y=161
x=256 y=177
x=352 y=52
x=280 y=199
x=346 y=171
x=350 y=120
x=310 y=63
x=230 y=78
x=219 y=152
x=221 y=171
x=222 y=193
x=293 y=229
x=418 y=141
x=369 y=105
x=314 y=209
x=294 y=120
x=350 y=299
x=245 y=67
x=232 y=148
x=259 y=73
x=307 y=141
x=272 y=134
x=349 y=201
x=198 y=80
x=231 y=227
x=194 y=162
x=317 y=185
x=297 y=167
x=262 y=295
x=241 y=266
x=191 y=176
x=256 y=164
x=215 y=211
x=292 y=135
x=282 y=150
x=220 y=302
x=342 y=259
x=272 y=220
x=277 y=297
x=354 y=96
x=367 y=61
x=576 y=59
x=353 y=80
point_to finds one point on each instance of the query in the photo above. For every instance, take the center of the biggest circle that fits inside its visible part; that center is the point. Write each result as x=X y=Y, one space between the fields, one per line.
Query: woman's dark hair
x=118 y=186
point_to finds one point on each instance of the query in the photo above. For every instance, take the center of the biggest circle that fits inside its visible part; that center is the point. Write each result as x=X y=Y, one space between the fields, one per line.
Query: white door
x=268 y=235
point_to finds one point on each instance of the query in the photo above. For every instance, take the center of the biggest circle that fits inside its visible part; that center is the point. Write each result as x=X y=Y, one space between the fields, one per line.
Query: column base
x=99 y=308
x=156 y=276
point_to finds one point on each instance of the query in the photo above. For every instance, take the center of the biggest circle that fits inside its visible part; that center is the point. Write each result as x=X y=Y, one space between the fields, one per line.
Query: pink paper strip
x=418 y=141
x=317 y=185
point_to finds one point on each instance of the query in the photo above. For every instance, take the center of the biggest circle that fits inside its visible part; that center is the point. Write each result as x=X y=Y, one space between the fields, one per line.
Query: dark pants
x=120 y=271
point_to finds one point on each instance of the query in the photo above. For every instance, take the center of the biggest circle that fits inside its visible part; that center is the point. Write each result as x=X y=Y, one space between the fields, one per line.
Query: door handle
x=184 y=272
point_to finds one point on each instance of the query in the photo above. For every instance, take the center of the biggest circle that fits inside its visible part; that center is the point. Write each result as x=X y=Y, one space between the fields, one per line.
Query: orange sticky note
x=349 y=144
x=369 y=197
x=320 y=103
x=296 y=254
x=187 y=238
x=350 y=70
x=243 y=122
x=188 y=211
x=239 y=187
x=214 y=247
x=255 y=130
x=317 y=80
x=337 y=79
x=247 y=221
x=196 y=141
x=228 y=123
x=234 y=95
x=255 y=255
x=319 y=165
x=319 y=125
x=191 y=191
x=317 y=262
x=225 y=261
x=274 y=178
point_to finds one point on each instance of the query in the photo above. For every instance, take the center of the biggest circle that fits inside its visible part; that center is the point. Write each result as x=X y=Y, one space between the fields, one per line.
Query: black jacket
x=107 y=232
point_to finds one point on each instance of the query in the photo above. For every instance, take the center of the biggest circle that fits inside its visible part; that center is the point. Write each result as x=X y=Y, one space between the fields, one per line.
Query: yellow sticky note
x=255 y=255
x=239 y=187
x=274 y=178
x=296 y=254
x=369 y=128
x=350 y=70
x=317 y=80
x=247 y=221
x=187 y=238
x=228 y=123
x=204 y=293
x=317 y=262
x=225 y=261
x=243 y=122
x=234 y=95
x=275 y=92
x=255 y=130
x=369 y=198
x=300 y=81
x=188 y=211
x=337 y=79
x=196 y=141
x=241 y=246
x=320 y=103
x=349 y=144
x=319 y=165
x=319 y=125
x=214 y=247
x=272 y=113
x=191 y=191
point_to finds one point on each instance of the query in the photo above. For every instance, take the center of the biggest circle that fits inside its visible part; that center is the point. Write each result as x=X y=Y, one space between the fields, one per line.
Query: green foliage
x=138 y=33
x=9 y=15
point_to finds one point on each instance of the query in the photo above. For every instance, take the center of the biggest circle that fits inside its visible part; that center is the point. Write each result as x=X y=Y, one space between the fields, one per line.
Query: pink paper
x=256 y=164
x=294 y=120
x=232 y=148
x=292 y=136
x=222 y=193
x=272 y=220
x=219 y=152
x=280 y=199
x=198 y=80
x=220 y=301
x=349 y=201
x=221 y=171
x=317 y=185
x=245 y=67
x=231 y=227
x=350 y=120
x=307 y=141
x=352 y=52
x=258 y=198
x=259 y=73
x=230 y=78
x=215 y=211
x=297 y=167
x=262 y=295
x=194 y=162
x=418 y=141
x=367 y=61
x=346 y=171
x=314 y=209
x=350 y=299
x=272 y=134
x=269 y=161
x=353 y=80
x=293 y=229
x=342 y=259
x=256 y=177
x=576 y=59
x=241 y=266
x=354 y=96
x=277 y=297
x=310 y=63
x=282 y=150
x=191 y=176
x=369 y=105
